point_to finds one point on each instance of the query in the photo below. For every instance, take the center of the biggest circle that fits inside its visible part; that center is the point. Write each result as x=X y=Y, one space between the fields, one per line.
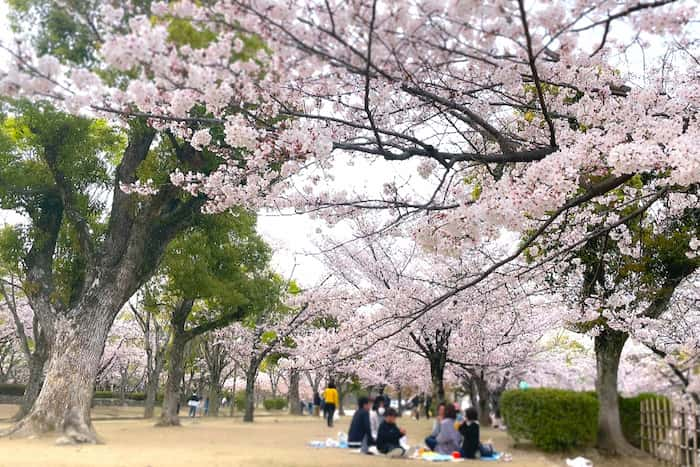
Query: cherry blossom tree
x=522 y=115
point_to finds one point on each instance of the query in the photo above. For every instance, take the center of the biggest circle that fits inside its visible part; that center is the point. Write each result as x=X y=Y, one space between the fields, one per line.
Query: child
x=470 y=430
x=389 y=434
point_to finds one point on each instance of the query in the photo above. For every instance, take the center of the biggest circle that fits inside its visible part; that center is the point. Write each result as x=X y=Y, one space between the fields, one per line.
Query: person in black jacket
x=470 y=431
x=389 y=434
x=360 y=433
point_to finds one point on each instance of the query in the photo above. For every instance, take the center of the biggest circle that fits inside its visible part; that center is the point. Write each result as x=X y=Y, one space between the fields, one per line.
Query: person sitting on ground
x=389 y=435
x=448 y=439
x=431 y=441
x=470 y=430
x=376 y=416
x=360 y=433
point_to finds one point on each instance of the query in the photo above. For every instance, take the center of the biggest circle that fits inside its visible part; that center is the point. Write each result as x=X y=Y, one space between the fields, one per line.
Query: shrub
x=136 y=396
x=104 y=395
x=239 y=400
x=630 y=416
x=12 y=389
x=553 y=419
x=275 y=404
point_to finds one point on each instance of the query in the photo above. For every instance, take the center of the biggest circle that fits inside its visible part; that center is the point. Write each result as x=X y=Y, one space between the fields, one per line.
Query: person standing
x=376 y=416
x=331 y=398
x=317 y=403
x=193 y=403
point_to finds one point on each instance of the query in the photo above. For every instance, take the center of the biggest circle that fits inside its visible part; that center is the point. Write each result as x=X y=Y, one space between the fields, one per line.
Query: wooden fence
x=670 y=432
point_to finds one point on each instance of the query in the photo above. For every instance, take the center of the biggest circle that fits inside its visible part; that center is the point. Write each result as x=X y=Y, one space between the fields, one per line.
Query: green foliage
x=12 y=389
x=278 y=403
x=58 y=29
x=183 y=32
x=38 y=146
x=239 y=401
x=556 y=420
x=553 y=419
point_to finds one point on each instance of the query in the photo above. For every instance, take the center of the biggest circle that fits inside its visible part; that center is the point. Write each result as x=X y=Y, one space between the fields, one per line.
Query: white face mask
x=380 y=410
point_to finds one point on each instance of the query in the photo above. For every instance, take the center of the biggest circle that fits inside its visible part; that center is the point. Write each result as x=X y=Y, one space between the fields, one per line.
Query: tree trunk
x=341 y=409
x=293 y=399
x=483 y=389
x=214 y=400
x=171 y=398
x=152 y=389
x=437 y=375
x=250 y=377
x=399 y=395
x=608 y=347
x=64 y=401
x=36 y=376
x=233 y=390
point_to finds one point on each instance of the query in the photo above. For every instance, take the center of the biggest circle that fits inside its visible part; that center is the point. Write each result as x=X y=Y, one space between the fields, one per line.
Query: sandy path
x=277 y=441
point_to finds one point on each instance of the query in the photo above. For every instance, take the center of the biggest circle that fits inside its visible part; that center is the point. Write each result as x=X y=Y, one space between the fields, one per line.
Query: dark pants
x=193 y=411
x=390 y=447
x=330 y=411
x=431 y=442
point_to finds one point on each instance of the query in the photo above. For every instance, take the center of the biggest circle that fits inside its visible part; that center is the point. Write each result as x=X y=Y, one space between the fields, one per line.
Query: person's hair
x=362 y=401
x=441 y=404
x=391 y=412
x=471 y=414
x=331 y=385
x=450 y=411
x=379 y=401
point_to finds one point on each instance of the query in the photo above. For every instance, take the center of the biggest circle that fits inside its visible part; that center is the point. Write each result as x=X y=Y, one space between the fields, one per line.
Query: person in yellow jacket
x=330 y=396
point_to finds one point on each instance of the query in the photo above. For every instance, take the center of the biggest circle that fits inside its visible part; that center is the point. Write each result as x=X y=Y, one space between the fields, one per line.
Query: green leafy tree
x=211 y=275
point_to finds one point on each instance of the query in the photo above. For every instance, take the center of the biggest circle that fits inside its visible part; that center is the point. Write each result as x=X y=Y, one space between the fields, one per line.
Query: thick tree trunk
x=175 y=363
x=608 y=347
x=36 y=376
x=293 y=399
x=64 y=401
x=250 y=377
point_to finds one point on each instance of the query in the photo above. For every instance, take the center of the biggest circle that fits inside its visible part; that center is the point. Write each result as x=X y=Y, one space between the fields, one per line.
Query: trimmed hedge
x=12 y=389
x=540 y=424
x=275 y=404
x=553 y=419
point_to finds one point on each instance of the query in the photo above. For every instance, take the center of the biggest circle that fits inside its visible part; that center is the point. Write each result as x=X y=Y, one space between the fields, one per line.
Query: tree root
x=168 y=422
x=31 y=427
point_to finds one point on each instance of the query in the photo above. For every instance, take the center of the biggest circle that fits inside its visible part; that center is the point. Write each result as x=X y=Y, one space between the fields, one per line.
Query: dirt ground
x=273 y=440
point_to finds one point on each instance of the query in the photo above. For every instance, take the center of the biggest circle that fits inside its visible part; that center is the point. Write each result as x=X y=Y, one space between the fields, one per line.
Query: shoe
x=395 y=453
